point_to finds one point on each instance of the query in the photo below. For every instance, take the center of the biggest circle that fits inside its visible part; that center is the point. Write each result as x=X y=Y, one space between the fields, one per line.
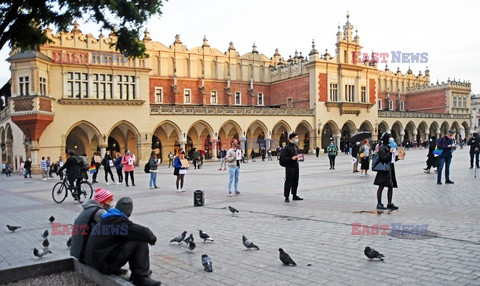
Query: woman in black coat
x=432 y=161
x=386 y=178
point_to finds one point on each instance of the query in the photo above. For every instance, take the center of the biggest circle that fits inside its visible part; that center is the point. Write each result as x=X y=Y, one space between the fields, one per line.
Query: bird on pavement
x=248 y=244
x=285 y=258
x=191 y=245
x=45 y=244
x=13 y=228
x=188 y=239
x=207 y=263
x=69 y=242
x=40 y=253
x=179 y=238
x=233 y=210
x=372 y=253
x=45 y=234
x=51 y=219
x=204 y=236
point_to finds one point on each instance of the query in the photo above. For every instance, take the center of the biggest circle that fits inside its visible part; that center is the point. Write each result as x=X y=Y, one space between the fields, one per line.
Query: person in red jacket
x=128 y=162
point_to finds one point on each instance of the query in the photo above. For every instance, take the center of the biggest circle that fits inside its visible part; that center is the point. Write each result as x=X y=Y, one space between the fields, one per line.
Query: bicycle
x=60 y=191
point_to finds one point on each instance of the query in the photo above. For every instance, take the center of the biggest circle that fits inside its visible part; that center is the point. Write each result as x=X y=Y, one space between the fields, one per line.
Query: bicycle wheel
x=86 y=191
x=59 y=192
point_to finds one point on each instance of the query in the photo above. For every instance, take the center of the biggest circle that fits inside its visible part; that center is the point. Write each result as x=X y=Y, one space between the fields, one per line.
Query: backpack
x=83 y=163
x=282 y=158
x=147 y=168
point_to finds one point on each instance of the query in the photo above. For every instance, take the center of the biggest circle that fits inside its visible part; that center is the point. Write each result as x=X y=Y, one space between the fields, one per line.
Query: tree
x=22 y=22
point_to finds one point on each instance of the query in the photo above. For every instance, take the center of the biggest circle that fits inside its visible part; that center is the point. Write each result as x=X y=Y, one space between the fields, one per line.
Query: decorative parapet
x=31 y=104
x=158 y=109
x=414 y=114
x=86 y=101
x=4 y=114
x=449 y=84
x=349 y=107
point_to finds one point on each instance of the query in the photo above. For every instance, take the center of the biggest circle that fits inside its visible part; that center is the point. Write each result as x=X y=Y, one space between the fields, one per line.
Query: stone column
x=214 y=148
x=336 y=140
x=402 y=136
x=34 y=148
x=182 y=144
x=242 y=144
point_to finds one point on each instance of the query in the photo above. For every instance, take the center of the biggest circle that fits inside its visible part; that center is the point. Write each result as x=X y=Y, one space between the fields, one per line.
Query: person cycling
x=74 y=171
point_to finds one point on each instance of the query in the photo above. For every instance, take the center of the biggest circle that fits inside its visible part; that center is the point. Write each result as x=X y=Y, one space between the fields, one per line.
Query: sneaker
x=439 y=183
x=237 y=193
x=297 y=198
x=133 y=185
x=145 y=281
x=381 y=207
x=108 y=183
x=182 y=190
x=155 y=187
x=230 y=194
x=119 y=183
x=44 y=179
x=287 y=200
x=150 y=188
x=471 y=167
x=427 y=171
x=392 y=207
x=449 y=182
x=178 y=190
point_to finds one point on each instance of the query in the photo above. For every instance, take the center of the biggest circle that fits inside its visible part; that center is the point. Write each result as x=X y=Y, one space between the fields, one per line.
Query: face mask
x=390 y=140
x=128 y=153
x=296 y=141
x=331 y=144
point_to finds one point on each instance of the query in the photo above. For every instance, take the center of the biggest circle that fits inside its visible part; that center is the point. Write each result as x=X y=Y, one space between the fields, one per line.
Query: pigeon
x=45 y=244
x=51 y=219
x=40 y=253
x=45 y=234
x=207 y=263
x=285 y=258
x=69 y=242
x=248 y=244
x=188 y=239
x=191 y=245
x=233 y=210
x=204 y=236
x=372 y=253
x=13 y=228
x=179 y=238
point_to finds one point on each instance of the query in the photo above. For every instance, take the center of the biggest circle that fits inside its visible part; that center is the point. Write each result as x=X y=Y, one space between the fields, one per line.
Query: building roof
x=29 y=54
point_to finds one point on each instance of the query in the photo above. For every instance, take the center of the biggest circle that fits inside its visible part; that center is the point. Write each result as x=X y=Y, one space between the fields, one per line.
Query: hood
x=91 y=203
x=113 y=212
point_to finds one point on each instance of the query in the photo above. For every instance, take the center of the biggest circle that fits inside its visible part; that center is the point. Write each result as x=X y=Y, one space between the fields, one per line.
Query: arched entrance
x=280 y=133
x=458 y=135
x=303 y=130
x=348 y=129
x=83 y=138
x=197 y=136
x=228 y=131
x=125 y=134
x=330 y=129
x=396 y=131
x=434 y=129
x=444 y=128
x=409 y=138
x=422 y=133
x=255 y=137
x=165 y=139
x=382 y=128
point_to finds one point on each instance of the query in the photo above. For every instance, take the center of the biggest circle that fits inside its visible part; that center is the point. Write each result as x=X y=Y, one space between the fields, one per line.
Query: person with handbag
x=107 y=163
x=181 y=165
x=447 y=146
x=364 y=155
x=128 y=162
x=384 y=166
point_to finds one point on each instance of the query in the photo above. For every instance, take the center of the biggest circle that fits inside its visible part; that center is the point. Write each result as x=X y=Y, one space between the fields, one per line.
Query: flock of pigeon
x=189 y=242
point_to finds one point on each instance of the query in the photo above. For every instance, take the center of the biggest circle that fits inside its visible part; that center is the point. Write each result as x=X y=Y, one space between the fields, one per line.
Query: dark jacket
x=28 y=164
x=355 y=150
x=107 y=236
x=74 y=167
x=106 y=161
x=287 y=153
x=152 y=163
x=474 y=144
x=118 y=162
x=92 y=213
x=386 y=179
x=442 y=144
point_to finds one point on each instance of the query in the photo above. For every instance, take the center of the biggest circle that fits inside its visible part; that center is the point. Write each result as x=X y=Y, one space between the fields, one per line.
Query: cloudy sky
x=447 y=30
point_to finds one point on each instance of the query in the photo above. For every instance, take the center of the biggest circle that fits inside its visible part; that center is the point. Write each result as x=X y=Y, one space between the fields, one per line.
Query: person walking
x=269 y=154
x=153 y=163
x=264 y=153
x=317 y=152
x=97 y=161
x=290 y=157
x=332 y=152
x=43 y=167
x=432 y=160
x=447 y=145
x=474 y=144
x=181 y=165
x=28 y=168
x=364 y=155
x=233 y=157
x=170 y=159
x=252 y=155
x=108 y=250
x=49 y=168
x=22 y=168
x=119 y=167
x=354 y=153
x=108 y=164
x=128 y=162
x=223 y=164
x=59 y=165
x=386 y=154
x=8 y=170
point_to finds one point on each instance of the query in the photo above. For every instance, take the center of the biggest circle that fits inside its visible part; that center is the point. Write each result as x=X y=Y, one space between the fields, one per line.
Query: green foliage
x=22 y=21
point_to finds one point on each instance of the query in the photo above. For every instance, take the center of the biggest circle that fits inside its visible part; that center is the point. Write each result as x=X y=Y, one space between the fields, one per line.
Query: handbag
x=381 y=167
x=437 y=152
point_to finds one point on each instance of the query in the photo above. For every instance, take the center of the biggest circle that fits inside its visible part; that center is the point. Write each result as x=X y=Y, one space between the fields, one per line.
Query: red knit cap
x=102 y=195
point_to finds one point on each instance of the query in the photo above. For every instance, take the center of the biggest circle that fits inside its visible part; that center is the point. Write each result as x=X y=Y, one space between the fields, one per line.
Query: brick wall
x=297 y=88
x=322 y=87
x=429 y=101
x=371 y=92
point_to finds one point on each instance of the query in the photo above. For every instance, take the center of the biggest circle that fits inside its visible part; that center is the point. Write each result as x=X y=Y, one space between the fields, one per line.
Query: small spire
x=205 y=42
x=386 y=67
x=296 y=54
x=276 y=53
x=348 y=16
x=177 y=39
x=313 y=51
x=75 y=27
x=231 y=47
x=254 y=49
x=146 y=36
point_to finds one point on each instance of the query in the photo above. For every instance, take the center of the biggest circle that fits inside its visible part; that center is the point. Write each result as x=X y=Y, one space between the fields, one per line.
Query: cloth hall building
x=78 y=93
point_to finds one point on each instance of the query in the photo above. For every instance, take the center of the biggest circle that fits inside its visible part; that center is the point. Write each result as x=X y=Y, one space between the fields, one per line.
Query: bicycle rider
x=74 y=174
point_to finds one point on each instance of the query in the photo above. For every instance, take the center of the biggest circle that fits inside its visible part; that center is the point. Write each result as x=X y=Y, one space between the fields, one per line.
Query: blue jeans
x=153 y=179
x=234 y=173
x=447 y=162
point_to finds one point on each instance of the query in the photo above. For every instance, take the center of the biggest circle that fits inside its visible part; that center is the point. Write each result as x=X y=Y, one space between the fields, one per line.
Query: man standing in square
x=290 y=157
